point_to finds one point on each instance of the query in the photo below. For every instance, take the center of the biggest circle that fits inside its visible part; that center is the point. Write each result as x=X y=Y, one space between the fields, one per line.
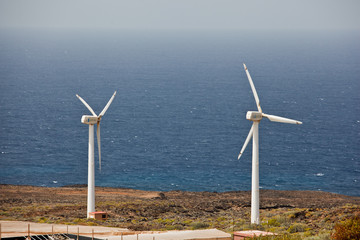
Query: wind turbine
x=256 y=117
x=91 y=121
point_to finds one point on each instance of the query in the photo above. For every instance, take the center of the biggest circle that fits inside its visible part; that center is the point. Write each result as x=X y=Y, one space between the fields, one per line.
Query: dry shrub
x=347 y=230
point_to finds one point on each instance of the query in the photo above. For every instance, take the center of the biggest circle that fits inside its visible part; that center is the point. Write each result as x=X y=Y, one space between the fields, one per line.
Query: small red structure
x=98 y=215
x=250 y=234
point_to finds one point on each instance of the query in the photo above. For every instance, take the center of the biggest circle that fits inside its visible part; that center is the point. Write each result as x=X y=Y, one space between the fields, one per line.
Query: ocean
x=178 y=119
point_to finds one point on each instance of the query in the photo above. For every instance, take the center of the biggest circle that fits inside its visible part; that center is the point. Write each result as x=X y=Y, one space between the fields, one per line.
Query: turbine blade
x=281 y=119
x=99 y=143
x=253 y=89
x=87 y=105
x=247 y=141
x=107 y=105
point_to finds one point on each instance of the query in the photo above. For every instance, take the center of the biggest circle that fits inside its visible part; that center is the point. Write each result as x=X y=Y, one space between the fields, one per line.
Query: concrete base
x=251 y=233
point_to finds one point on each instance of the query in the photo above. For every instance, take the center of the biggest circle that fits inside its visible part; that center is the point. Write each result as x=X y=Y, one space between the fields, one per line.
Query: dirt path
x=21 y=228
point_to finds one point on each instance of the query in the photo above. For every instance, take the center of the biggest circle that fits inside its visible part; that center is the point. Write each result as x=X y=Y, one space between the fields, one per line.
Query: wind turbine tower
x=91 y=120
x=255 y=117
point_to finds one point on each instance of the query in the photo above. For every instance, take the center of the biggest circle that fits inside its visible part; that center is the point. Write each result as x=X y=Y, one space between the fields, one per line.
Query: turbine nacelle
x=90 y=120
x=254 y=116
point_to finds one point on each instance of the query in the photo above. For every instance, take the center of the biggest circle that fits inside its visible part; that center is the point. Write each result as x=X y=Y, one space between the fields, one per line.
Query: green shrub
x=42 y=220
x=199 y=225
x=174 y=227
x=321 y=236
x=187 y=222
x=280 y=237
x=283 y=221
x=221 y=219
x=92 y=224
x=4 y=213
x=273 y=222
x=347 y=230
x=297 y=227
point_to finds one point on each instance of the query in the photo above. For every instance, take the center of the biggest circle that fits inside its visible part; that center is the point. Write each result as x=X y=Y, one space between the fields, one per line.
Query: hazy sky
x=181 y=14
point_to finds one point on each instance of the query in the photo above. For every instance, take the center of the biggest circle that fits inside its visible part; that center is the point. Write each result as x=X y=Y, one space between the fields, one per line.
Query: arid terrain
x=308 y=213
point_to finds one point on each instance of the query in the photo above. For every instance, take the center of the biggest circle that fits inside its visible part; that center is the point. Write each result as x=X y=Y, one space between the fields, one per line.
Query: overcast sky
x=181 y=14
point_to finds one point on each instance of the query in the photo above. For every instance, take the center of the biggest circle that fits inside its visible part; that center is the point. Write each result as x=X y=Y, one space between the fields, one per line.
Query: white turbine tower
x=91 y=121
x=255 y=117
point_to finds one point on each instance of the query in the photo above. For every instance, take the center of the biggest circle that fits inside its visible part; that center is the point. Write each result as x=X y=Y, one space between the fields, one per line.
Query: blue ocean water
x=178 y=120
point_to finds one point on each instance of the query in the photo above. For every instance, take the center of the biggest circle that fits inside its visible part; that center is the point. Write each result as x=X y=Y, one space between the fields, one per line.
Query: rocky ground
x=309 y=213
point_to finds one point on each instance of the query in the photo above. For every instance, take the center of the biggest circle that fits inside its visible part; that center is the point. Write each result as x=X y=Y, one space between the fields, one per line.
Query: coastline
x=291 y=193
x=270 y=198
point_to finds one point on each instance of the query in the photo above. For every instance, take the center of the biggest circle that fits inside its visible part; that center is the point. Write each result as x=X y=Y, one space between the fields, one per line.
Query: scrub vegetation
x=291 y=214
